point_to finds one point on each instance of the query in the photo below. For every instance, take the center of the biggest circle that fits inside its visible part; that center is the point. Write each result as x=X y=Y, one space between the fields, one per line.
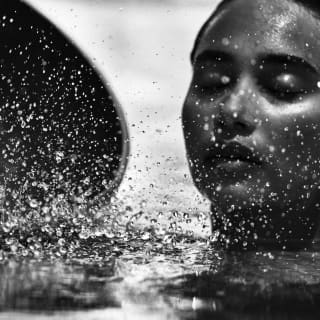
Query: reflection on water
x=189 y=280
x=33 y=285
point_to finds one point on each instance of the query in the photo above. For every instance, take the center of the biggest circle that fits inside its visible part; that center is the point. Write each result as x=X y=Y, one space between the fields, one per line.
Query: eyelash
x=281 y=90
x=283 y=96
x=273 y=87
x=215 y=84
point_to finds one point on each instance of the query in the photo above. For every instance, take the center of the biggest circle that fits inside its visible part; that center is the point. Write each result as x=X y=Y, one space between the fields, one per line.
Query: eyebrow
x=273 y=58
x=289 y=60
x=216 y=55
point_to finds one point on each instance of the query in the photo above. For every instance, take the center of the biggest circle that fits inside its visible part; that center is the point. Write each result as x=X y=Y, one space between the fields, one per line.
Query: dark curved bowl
x=62 y=132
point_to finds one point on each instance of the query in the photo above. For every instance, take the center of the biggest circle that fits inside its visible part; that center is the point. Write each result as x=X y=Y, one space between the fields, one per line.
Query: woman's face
x=252 y=114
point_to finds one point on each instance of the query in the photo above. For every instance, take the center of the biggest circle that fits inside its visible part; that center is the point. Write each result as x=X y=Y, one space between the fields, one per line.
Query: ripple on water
x=69 y=263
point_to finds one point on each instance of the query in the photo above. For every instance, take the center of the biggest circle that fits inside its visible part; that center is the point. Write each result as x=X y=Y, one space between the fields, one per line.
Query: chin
x=236 y=196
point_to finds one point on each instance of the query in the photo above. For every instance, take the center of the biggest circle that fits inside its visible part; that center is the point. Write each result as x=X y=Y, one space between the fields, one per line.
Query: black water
x=184 y=280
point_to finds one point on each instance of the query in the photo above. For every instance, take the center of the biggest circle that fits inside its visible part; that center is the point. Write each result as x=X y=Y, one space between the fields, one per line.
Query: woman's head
x=252 y=116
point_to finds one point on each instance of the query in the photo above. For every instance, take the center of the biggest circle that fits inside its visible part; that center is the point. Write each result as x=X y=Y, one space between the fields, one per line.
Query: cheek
x=296 y=159
x=197 y=120
x=295 y=137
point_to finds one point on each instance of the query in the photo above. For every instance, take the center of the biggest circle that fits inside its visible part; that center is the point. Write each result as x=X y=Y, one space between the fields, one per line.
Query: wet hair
x=312 y=5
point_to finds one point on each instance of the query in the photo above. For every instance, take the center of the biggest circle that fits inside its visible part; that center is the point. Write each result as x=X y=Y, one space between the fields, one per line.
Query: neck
x=282 y=228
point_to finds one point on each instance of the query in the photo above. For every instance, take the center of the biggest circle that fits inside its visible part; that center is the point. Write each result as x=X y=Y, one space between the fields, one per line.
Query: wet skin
x=251 y=119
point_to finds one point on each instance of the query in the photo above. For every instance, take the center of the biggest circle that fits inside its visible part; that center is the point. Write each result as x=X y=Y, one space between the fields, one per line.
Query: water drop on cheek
x=225 y=41
x=206 y=127
x=225 y=79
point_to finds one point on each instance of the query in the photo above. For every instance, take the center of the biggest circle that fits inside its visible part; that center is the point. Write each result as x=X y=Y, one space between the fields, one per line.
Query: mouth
x=231 y=154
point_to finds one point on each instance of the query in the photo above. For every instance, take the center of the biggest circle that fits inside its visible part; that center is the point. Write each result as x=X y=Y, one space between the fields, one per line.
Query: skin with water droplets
x=269 y=109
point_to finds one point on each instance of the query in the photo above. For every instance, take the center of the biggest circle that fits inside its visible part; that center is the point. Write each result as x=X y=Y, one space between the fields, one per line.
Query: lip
x=232 y=154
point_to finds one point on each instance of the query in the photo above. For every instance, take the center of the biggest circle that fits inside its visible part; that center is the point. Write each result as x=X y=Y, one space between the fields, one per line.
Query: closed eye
x=280 y=77
x=211 y=77
x=288 y=82
x=214 y=71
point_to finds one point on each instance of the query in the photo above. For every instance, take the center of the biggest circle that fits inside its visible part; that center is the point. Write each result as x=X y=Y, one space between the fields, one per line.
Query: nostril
x=229 y=127
x=243 y=127
x=240 y=126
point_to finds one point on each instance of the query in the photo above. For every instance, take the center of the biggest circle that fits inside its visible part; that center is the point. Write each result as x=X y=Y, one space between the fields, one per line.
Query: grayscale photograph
x=159 y=159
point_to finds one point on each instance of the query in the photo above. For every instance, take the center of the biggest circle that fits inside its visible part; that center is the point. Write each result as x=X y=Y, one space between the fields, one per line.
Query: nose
x=236 y=110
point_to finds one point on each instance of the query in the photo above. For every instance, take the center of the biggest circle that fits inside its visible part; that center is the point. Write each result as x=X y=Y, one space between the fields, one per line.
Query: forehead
x=253 y=27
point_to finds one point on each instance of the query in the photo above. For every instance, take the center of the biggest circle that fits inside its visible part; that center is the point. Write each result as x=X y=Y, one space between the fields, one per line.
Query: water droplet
x=225 y=79
x=272 y=148
x=225 y=41
x=145 y=236
x=33 y=203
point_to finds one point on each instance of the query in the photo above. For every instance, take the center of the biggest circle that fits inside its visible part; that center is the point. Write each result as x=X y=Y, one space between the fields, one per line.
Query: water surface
x=151 y=279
